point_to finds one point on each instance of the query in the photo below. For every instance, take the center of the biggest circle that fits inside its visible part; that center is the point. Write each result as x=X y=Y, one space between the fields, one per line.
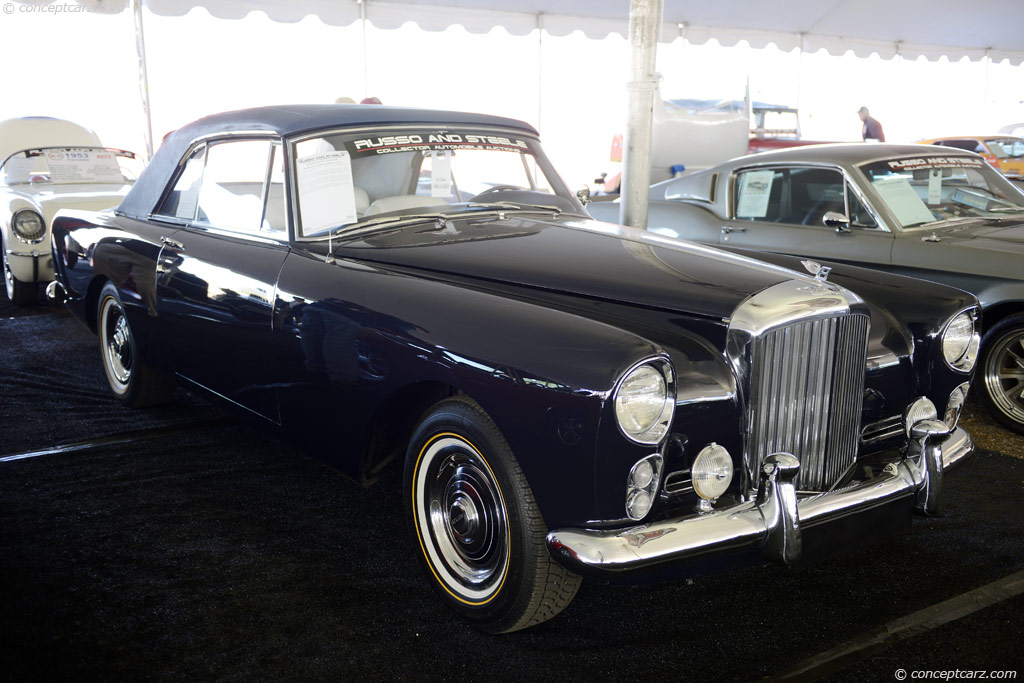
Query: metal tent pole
x=644 y=22
x=140 y=47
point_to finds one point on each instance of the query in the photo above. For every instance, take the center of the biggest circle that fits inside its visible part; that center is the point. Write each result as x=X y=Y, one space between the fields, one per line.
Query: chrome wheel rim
x=461 y=519
x=115 y=338
x=1004 y=374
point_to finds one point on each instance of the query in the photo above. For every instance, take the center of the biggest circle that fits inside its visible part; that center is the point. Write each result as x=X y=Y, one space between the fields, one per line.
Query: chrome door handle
x=726 y=229
x=172 y=243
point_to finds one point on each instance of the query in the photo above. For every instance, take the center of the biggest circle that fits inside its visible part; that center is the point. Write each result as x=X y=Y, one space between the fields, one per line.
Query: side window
x=275 y=218
x=797 y=196
x=813 y=193
x=859 y=215
x=181 y=201
x=231 y=192
x=762 y=195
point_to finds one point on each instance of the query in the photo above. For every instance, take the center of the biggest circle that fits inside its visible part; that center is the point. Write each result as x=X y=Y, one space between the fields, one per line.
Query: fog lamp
x=921 y=409
x=712 y=472
x=955 y=404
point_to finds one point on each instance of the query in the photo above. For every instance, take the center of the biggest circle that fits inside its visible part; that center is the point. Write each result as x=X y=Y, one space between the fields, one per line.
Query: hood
x=581 y=257
x=995 y=234
x=51 y=198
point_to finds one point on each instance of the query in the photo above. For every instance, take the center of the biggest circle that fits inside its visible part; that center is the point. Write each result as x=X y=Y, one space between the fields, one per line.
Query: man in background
x=872 y=129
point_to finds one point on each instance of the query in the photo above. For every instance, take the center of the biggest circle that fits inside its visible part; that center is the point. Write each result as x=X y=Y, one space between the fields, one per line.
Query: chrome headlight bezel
x=962 y=356
x=666 y=398
x=30 y=238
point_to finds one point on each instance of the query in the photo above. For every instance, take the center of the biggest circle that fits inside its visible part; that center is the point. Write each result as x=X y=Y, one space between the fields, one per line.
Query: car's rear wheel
x=1002 y=366
x=133 y=381
x=478 y=530
x=20 y=293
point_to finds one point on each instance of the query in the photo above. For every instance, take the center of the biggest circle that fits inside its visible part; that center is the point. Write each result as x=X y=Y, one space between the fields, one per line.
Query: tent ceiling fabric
x=932 y=28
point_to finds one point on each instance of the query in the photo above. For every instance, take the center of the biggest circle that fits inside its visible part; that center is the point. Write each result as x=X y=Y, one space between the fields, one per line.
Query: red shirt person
x=872 y=129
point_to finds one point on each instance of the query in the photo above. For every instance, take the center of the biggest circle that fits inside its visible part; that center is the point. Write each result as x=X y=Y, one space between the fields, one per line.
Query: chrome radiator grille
x=806 y=395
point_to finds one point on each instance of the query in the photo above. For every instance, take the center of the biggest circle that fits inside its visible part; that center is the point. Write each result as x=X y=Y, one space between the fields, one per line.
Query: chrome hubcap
x=461 y=518
x=1004 y=374
x=117 y=346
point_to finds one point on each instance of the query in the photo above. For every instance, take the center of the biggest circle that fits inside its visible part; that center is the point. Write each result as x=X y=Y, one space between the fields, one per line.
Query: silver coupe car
x=938 y=214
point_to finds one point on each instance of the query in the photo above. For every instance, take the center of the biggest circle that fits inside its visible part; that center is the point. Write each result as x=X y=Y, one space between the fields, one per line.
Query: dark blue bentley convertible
x=570 y=398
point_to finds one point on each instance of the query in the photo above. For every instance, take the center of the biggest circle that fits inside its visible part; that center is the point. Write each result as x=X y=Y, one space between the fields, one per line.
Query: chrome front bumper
x=31 y=266
x=773 y=522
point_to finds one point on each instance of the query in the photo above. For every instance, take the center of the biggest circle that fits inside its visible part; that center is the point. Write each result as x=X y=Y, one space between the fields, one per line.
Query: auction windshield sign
x=935 y=162
x=435 y=142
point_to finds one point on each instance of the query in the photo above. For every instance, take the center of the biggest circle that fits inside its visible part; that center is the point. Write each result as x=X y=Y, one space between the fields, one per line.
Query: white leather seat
x=362 y=200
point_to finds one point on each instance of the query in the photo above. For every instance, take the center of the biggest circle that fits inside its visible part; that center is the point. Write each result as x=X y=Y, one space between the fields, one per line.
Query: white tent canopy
x=911 y=28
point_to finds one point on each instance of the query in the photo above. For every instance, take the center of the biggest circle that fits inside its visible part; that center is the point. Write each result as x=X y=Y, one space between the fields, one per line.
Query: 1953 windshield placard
x=435 y=142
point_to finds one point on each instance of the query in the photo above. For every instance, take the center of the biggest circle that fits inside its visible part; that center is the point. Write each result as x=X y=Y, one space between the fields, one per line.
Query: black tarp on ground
x=220 y=553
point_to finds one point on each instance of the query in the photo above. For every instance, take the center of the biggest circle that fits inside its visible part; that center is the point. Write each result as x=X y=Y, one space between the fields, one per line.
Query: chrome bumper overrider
x=773 y=521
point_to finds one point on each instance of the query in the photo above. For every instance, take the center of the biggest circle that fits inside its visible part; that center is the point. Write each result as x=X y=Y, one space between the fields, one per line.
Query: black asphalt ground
x=208 y=549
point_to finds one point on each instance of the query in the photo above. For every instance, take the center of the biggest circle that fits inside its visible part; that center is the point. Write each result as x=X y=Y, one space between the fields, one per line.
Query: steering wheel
x=496 y=188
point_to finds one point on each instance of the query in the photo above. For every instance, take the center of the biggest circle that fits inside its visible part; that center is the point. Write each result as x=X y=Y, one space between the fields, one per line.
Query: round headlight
x=960 y=343
x=644 y=404
x=712 y=472
x=28 y=226
x=921 y=409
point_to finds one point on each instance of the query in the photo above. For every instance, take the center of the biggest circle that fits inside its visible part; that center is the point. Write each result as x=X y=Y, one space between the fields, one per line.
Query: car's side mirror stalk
x=834 y=219
x=583 y=195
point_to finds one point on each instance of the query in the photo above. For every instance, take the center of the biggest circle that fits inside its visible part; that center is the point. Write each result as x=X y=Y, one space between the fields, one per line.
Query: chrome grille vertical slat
x=807 y=384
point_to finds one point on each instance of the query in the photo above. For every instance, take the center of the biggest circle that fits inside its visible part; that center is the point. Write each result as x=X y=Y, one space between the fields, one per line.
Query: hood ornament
x=819 y=271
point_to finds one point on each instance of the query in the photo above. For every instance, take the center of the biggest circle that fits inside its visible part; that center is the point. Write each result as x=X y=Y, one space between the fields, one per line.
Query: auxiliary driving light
x=642 y=485
x=712 y=472
x=921 y=409
x=954 y=405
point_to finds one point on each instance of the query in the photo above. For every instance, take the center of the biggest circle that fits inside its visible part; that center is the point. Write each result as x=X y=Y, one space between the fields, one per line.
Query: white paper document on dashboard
x=69 y=166
x=903 y=201
x=326 y=192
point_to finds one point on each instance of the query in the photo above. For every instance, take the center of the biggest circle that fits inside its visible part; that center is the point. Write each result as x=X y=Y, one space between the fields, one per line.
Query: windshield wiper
x=517 y=206
x=385 y=222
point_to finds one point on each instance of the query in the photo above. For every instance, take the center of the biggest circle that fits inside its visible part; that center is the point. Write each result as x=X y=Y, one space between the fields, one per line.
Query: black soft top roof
x=285 y=120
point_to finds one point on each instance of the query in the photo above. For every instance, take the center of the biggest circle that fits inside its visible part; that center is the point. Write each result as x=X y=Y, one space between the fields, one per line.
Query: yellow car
x=1004 y=152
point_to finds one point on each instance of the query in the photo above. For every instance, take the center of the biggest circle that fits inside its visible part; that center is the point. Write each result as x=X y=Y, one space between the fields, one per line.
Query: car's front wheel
x=478 y=530
x=133 y=381
x=1002 y=366
x=20 y=293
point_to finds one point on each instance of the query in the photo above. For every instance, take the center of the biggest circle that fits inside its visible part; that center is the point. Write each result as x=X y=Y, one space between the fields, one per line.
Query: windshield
x=1006 y=148
x=344 y=180
x=71 y=165
x=927 y=190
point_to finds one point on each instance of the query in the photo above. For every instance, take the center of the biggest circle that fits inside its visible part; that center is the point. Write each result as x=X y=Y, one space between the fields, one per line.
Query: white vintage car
x=48 y=164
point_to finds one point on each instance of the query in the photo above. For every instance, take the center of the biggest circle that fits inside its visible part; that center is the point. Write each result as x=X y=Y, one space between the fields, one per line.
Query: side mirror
x=834 y=219
x=583 y=195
